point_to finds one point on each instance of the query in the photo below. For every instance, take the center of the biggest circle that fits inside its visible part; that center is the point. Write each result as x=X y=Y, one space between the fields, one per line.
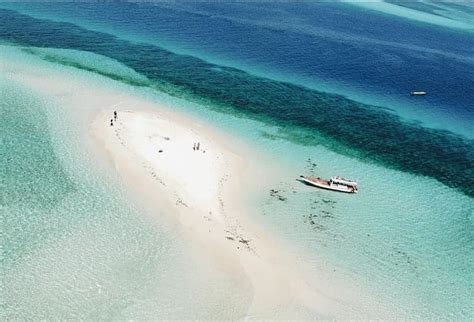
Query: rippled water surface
x=73 y=247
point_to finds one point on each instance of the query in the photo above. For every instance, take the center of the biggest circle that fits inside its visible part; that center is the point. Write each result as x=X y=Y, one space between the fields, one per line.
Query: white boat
x=335 y=183
x=417 y=93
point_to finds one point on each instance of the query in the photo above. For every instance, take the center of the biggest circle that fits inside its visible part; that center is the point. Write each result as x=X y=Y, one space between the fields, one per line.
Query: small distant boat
x=335 y=183
x=417 y=93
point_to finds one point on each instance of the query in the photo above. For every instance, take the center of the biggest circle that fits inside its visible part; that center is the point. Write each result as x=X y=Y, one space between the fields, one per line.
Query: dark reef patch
x=304 y=115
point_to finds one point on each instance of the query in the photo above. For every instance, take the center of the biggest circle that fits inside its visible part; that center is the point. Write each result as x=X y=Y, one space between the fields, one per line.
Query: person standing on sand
x=115 y=115
x=111 y=122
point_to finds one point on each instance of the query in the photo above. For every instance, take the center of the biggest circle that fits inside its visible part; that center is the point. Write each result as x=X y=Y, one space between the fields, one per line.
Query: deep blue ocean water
x=332 y=46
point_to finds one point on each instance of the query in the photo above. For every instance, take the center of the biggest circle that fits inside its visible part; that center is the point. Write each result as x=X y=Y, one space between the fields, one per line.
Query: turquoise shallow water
x=405 y=238
x=73 y=245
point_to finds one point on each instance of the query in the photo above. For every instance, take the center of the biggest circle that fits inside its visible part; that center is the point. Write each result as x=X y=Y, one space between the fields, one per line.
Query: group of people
x=197 y=146
x=113 y=119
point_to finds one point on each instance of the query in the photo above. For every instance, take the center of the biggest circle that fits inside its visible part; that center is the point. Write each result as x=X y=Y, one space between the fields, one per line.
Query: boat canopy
x=343 y=181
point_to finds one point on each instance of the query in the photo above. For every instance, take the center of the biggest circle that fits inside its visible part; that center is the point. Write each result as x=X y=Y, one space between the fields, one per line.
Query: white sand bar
x=202 y=187
x=171 y=153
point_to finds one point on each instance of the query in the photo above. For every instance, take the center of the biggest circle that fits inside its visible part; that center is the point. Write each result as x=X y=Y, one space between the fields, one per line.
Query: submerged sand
x=153 y=150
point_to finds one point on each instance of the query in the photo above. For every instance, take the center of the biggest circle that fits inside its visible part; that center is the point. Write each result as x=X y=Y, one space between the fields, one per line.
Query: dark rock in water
x=326 y=214
x=328 y=201
x=319 y=227
x=244 y=241
x=275 y=193
x=310 y=166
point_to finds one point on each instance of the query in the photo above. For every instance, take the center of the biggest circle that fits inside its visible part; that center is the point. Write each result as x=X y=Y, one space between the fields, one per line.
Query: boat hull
x=324 y=184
